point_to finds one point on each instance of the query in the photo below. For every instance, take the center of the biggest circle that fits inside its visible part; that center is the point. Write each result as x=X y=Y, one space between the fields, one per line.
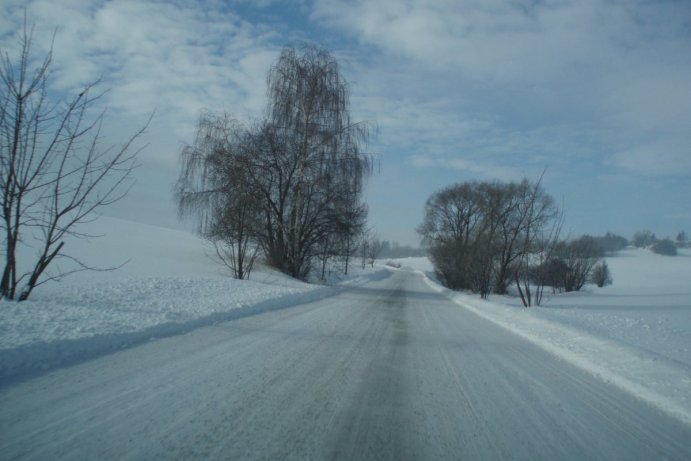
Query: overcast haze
x=596 y=92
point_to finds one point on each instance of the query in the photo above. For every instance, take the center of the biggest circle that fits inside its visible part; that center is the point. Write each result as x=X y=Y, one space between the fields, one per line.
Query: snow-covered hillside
x=635 y=333
x=169 y=285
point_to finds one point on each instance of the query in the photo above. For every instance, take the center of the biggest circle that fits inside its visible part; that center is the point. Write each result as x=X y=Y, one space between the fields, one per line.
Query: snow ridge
x=659 y=382
x=74 y=326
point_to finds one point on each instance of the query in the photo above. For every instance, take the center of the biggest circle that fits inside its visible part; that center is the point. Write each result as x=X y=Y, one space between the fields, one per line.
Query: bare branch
x=53 y=173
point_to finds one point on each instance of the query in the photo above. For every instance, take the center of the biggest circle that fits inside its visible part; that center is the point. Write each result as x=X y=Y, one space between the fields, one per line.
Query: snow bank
x=635 y=334
x=169 y=286
x=81 y=323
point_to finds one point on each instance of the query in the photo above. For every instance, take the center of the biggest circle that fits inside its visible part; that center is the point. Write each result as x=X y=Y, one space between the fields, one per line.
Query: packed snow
x=386 y=370
x=635 y=333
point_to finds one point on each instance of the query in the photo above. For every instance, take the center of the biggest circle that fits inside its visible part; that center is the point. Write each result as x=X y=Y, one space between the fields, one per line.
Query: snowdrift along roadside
x=94 y=313
x=657 y=382
x=36 y=336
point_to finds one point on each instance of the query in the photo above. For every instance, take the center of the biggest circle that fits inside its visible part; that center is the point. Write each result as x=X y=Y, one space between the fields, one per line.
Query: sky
x=594 y=93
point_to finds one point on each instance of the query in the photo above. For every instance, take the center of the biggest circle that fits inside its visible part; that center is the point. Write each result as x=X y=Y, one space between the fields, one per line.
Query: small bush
x=551 y=273
x=643 y=238
x=611 y=243
x=665 y=247
x=600 y=275
x=571 y=267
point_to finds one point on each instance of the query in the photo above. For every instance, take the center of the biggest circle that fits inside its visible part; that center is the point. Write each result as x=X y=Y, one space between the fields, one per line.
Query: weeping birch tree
x=303 y=163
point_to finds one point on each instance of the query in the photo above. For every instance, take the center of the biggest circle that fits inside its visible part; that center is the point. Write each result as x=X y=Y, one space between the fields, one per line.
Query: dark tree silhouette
x=302 y=165
x=481 y=235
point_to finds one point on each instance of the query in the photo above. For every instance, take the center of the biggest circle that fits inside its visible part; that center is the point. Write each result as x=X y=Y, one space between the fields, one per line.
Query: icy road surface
x=390 y=370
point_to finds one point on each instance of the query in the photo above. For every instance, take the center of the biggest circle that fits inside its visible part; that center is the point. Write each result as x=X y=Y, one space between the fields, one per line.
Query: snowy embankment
x=168 y=286
x=635 y=334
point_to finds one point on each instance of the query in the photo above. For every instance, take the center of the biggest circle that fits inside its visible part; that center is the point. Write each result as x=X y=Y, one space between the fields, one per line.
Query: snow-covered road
x=388 y=370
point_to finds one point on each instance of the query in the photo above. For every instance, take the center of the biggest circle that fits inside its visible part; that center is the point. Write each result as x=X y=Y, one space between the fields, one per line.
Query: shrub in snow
x=600 y=275
x=665 y=247
x=643 y=238
x=611 y=243
x=577 y=259
x=552 y=273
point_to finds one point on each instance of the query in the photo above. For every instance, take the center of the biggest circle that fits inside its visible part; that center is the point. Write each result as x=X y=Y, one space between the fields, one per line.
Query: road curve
x=389 y=370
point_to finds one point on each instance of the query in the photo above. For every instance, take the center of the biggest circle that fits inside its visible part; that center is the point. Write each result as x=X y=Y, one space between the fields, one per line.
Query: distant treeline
x=396 y=250
x=611 y=243
x=505 y=238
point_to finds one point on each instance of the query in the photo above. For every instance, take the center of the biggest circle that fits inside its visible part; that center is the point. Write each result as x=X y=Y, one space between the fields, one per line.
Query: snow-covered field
x=169 y=285
x=635 y=333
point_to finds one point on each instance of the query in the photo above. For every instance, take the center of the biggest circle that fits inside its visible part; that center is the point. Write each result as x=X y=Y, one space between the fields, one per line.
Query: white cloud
x=606 y=72
x=660 y=157
x=176 y=58
x=487 y=39
x=483 y=170
x=491 y=88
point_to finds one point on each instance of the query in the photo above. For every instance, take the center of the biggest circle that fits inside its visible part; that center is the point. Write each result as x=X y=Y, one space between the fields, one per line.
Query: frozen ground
x=635 y=333
x=387 y=367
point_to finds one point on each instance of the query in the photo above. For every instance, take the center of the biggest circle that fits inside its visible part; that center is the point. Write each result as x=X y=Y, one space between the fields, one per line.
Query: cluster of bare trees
x=486 y=236
x=483 y=236
x=665 y=246
x=370 y=249
x=574 y=264
x=288 y=185
x=53 y=173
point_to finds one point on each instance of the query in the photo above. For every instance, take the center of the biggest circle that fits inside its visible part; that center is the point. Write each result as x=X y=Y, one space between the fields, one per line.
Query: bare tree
x=302 y=164
x=540 y=227
x=643 y=238
x=363 y=248
x=449 y=231
x=53 y=173
x=374 y=249
x=481 y=234
x=502 y=226
x=601 y=275
x=231 y=234
x=309 y=107
x=347 y=226
x=370 y=247
x=578 y=258
x=216 y=187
